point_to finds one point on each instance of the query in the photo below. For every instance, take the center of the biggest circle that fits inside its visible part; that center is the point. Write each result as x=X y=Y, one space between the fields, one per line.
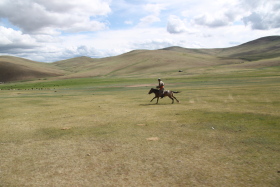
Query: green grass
x=80 y=83
x=94 y=132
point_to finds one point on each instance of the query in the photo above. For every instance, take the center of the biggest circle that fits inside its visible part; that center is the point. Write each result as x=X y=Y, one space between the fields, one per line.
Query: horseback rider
x=161 y=87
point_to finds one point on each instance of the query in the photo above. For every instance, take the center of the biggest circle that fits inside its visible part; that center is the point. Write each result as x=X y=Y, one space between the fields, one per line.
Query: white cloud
x=154 y=12
x=38 y=15
x=148 y=20
x=210 y=21
x=12 y=41
x=262 y=15
x=216 y=14
x=154 y=8
x=51 y=30
x=175 y=25
x=258 y=14
x=157 y=43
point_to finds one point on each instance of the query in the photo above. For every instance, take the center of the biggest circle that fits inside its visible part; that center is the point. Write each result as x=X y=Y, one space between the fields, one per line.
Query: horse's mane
x=154 y=89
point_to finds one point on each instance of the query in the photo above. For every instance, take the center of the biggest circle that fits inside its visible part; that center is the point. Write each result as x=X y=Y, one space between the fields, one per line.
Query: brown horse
x=166 y=93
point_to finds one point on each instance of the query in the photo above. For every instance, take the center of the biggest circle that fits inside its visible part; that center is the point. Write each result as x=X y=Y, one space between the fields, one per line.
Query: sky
x=52 y=30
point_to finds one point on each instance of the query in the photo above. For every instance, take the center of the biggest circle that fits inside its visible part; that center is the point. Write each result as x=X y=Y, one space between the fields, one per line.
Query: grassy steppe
x=105 y=132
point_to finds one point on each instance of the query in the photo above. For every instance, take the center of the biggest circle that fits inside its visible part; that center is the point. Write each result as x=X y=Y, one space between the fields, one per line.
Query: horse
x=166 y=93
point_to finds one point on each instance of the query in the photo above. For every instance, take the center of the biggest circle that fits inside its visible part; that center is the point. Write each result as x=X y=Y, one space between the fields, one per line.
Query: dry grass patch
x=219 y=135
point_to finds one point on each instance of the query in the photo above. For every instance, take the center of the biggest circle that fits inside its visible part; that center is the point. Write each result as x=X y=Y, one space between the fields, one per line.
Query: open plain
x=104 y=131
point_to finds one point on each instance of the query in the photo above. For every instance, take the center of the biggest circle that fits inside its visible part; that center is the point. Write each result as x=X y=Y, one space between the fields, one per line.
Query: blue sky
x=52 y=30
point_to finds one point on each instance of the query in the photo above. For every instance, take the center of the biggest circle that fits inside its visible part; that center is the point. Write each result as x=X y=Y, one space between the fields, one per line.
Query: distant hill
x=142 y=62
x=192 y=51
x=74 y=64
x=17 y=69
x=263 y=52
x=263 y=48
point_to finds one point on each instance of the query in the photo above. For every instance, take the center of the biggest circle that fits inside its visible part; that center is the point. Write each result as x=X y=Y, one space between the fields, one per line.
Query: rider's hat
x=159 y=79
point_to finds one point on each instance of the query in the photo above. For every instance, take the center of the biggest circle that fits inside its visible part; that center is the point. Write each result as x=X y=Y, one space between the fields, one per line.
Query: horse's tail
x=176 y=92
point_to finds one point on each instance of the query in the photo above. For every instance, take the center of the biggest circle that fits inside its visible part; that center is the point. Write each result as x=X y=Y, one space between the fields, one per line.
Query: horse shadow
x=153 y=104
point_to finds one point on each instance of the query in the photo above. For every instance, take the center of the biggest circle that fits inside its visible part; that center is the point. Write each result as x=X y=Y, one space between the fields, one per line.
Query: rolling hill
x=263 y=52
x=17 y=69
x=147 y=62
x=262 y=48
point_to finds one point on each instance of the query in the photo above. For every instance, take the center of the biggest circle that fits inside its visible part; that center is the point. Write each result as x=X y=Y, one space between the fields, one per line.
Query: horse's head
x=151 y=91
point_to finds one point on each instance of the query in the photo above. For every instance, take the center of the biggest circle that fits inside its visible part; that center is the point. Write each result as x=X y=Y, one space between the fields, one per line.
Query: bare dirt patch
x=141 y=125
x=152 y=139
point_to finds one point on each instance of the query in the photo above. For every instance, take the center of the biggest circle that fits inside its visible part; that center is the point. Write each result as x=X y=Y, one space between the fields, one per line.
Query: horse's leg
x=157 y=100
x=176 y=99
x=171 y=99
x=172 y=95
x=152 y=99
